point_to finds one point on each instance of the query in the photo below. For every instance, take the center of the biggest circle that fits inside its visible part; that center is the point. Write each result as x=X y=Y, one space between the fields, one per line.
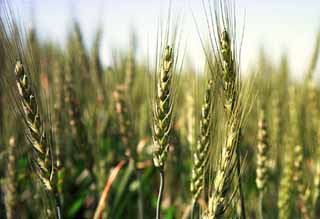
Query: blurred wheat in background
x=155 y=138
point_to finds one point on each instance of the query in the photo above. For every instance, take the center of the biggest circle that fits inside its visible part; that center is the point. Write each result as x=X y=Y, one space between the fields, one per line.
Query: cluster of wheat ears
x=78 y=140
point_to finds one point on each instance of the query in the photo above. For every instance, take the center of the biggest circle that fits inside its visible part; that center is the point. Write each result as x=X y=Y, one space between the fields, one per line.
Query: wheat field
x=143 y=139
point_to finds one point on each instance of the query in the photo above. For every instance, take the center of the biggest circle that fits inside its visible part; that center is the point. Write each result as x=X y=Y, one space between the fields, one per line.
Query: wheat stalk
x=11 y=183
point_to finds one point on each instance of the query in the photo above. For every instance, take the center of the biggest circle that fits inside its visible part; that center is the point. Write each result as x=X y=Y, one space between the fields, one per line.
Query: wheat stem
x=160 y=194
x=260 y=205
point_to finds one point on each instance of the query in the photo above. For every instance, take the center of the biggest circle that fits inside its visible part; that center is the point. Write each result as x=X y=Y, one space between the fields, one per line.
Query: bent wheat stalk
x=104 y=195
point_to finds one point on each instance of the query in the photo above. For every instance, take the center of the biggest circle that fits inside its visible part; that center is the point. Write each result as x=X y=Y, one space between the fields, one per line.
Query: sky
x=277 y=26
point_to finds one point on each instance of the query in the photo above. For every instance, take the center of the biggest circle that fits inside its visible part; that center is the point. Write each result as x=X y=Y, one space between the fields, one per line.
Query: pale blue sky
x=277 y=25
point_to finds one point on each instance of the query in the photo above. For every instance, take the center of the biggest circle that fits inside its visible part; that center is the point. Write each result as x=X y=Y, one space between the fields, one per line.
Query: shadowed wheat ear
x=124 y=120
x=37 y=133
x=78 y=127
x=200 y=153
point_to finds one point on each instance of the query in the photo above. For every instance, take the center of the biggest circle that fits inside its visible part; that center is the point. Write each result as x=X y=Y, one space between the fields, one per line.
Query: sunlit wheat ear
x=162 y=119
x=37 y=135
x=231 y=95
x=221 y=24
x=222 y=193
x=262 y=159
x=200 y=153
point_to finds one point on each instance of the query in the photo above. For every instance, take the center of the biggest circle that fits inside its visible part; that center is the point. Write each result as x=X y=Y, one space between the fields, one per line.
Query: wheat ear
x=262 y=158
x=37 y=134
x=125 y=126
x=162 y=118
x=229 y=73
x=200 y=153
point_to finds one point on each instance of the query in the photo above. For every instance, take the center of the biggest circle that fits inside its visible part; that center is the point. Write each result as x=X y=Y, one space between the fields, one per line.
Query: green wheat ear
x=201 y=151
x=262 y=154
x=162 y=118
x=228 y=73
